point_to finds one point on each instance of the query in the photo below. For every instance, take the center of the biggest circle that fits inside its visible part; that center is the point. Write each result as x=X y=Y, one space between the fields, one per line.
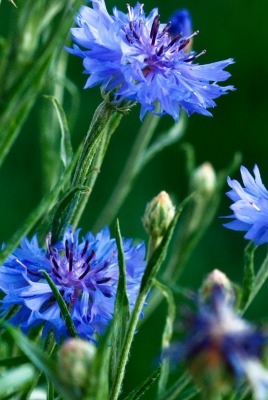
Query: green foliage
x=34 y=67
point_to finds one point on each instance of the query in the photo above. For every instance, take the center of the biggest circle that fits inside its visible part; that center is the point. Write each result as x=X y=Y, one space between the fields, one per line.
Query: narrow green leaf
x=66 y=151
x=151 y=270
x=16 y=379
x=249 y=274
x=63 y=307
x=42 y=362
x=50 y=390
x=137 y=393
x=176 y=388
x=65 y=210
x=167 y=333
x=260 y=279
x=121 y=310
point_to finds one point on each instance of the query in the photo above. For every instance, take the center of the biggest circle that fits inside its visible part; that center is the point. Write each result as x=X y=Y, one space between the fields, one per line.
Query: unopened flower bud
x=181 y=22
x=217 y=279
x=158 y=215
x=203 y=179
x=75 y=359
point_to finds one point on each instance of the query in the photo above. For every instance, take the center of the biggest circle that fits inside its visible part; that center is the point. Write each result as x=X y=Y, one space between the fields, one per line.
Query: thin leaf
x=42 y=362
x=149 y=274
x=121 y=310
x=66 y=151
x=260 y=279
x=176 y=388
x=167 y=333
x=249 y=274
x=63 y=307
x=137 y=393
x=16 y=379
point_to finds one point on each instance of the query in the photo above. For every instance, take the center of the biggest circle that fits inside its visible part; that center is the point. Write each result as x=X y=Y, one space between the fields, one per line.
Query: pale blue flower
x=85 y=272
x=135 y=56
x=250 y=207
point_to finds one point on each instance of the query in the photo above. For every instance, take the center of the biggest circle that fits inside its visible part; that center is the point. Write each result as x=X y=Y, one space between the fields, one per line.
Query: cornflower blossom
x=250 y=208
x=86 y=274
x=136 y=57
x=221 y=348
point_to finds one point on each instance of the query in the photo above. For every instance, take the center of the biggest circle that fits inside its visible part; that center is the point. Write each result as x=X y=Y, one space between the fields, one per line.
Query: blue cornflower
x=137 y=58
x=250 y=208
x=221 y=348
x=86 y=274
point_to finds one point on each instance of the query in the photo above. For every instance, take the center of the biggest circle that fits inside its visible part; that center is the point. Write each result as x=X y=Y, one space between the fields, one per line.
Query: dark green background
x=231 y=28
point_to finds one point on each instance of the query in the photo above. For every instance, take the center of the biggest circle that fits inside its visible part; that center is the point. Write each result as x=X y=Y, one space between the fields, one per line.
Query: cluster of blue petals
x=140 y=60
x=250 y=208
x=216 y=327
x=85 y=272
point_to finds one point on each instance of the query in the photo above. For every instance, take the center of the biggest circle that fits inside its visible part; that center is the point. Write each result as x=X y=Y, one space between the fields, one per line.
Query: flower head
x=135 y=56
x=86 y=274
x=250 y=208
x=221 y=348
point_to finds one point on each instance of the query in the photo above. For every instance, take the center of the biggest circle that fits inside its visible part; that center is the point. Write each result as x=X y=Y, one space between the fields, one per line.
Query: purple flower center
x=159 y=45
x=72 y=268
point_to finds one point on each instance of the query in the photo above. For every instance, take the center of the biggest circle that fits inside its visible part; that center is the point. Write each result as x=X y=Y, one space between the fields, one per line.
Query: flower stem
x=131 y=330
x=68 y=208
x=100 y=120
x=96 y=164
x=151 y=270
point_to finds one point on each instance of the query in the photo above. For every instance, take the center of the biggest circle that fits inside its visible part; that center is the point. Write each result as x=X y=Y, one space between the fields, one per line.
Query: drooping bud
x=75 y=359
x=158 y=215
x=181 y=22
x=203 y=179
x=217 y=279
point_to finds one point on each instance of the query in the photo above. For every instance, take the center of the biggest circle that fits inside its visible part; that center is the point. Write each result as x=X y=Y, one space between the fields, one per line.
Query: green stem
x=69 y=209
x=260 y=279
x=96 y=165
x=129 y=172
x=150 y=272
x=131 y=331
x=99 y=122
x=167 y=333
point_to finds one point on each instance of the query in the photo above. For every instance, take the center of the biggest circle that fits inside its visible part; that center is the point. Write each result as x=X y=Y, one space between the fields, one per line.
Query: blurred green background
x=227 y=29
